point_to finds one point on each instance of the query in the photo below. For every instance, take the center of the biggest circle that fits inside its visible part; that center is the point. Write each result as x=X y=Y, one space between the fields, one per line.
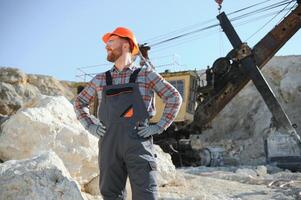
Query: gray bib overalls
x=122 y=151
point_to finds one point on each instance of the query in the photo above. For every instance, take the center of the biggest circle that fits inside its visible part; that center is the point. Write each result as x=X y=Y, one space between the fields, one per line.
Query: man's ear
x=126 y=47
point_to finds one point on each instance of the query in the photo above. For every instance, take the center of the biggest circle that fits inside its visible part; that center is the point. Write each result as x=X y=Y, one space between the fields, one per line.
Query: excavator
x=225 y=79
x=232 y=72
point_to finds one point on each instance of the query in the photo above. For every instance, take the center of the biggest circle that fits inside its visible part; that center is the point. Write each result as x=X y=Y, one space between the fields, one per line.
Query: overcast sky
x=55 y=37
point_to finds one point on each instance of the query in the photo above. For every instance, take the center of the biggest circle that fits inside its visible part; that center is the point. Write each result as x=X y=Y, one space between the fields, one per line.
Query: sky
x=57 y=37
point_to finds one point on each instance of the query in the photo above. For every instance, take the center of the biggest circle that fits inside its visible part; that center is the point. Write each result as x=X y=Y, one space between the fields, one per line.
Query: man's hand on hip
x=146 y=131
x=97 y=130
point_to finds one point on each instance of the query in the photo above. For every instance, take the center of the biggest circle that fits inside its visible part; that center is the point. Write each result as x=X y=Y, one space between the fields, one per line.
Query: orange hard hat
x=126 y=33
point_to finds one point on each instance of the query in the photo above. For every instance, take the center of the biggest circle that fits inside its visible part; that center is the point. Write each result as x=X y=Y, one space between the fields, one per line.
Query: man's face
x=114 y=48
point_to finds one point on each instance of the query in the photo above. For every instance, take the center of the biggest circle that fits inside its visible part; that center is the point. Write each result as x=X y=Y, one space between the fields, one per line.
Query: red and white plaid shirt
x=149 y=82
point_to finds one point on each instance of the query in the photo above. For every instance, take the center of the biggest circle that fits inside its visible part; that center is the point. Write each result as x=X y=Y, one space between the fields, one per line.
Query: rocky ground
x=45 y=153
x=227 y=183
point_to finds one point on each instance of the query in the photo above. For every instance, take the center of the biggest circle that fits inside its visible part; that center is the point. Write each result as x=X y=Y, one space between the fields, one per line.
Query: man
x=126 y=102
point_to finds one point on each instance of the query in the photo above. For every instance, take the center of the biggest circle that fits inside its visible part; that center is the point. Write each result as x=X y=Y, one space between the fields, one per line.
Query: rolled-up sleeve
x=170 y=96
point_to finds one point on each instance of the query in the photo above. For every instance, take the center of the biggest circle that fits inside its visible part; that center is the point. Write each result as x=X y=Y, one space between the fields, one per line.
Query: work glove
x=146 y=131
x=98 y=130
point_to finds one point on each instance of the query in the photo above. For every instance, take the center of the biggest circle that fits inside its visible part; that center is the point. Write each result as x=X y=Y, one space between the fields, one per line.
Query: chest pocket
x=121 y=102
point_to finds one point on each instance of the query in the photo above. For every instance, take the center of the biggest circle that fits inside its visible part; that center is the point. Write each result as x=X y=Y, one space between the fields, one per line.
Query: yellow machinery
x=186 y=83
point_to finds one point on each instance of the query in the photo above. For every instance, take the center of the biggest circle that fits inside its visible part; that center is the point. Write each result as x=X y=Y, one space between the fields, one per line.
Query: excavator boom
x=228 y=82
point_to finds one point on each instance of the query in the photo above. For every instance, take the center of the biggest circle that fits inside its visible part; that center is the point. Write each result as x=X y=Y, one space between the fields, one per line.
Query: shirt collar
x=132 y=67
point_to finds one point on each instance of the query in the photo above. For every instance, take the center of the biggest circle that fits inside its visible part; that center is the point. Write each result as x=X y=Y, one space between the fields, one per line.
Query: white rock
x=50 y=123
x=17 y=88
x=13 y=96
x=93 y=186
x=40 y=178
x=246 y=172
x=261 y=170
x=92 y=197
x=12 y=75
x=166 y=169
x=50 y=86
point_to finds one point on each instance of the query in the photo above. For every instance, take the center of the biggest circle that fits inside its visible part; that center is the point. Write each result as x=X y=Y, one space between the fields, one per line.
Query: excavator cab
x=186 y=82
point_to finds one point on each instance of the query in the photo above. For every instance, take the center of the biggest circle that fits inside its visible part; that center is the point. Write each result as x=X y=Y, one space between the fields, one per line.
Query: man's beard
x=114 y=54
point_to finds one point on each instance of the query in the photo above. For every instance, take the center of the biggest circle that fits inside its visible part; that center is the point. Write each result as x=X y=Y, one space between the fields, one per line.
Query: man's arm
x=170 y=96
x=81 y=107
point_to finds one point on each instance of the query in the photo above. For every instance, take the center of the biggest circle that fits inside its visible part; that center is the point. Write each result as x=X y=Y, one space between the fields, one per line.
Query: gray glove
x=98 y=130
x=146 y=131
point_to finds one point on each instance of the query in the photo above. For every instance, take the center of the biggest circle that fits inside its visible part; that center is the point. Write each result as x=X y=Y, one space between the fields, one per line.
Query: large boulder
x=50 y=123
x=50 y=86
x=12 y=75
x=14 y=96
x=17 y=88
x=166 y=169
x=42 y=177
x=14 y=90
x=244 y=123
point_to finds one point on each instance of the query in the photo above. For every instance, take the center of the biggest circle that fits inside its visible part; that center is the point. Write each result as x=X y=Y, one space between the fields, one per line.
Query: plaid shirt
x=149 y=82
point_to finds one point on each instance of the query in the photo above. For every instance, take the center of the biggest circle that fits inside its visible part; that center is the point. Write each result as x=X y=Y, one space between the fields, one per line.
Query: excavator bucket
x=283 y=150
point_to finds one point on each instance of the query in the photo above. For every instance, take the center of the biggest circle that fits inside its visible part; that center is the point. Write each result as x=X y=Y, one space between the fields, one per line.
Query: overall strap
x=108 y=78
x=134 y=75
